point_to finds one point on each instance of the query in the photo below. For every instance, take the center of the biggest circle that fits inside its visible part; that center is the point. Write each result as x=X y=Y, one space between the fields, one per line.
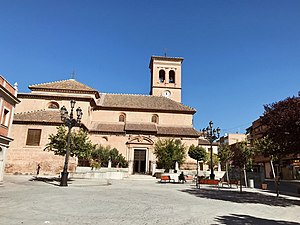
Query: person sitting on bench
x=182 y=178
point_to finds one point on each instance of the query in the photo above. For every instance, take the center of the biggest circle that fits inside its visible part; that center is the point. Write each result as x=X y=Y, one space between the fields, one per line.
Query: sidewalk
x=139 y=200
x=286 y=187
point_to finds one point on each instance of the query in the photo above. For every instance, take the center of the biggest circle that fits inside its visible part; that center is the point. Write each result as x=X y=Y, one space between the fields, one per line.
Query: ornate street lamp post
x=211 y=135
x=70 y=122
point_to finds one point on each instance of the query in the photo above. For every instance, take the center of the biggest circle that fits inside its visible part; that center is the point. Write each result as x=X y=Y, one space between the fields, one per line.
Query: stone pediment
x=144 y=140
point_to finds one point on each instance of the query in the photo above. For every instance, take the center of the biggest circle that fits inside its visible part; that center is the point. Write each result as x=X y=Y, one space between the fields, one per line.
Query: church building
x=8 y=101
x=128 y=122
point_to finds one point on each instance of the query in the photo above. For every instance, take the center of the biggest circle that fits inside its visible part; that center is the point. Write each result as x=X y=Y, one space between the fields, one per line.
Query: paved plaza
x=24 y=200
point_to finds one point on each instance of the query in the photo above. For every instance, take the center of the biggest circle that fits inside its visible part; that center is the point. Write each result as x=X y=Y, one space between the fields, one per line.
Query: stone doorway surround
x=139 y=145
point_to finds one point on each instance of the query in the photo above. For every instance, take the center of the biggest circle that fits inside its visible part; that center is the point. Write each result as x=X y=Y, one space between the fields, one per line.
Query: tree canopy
x=198 y=153
x=282 y=124
x=80 y=145
x=265 y=146
x=167 y=151
x=102 y=154
x=225 y=153
x=242 y=154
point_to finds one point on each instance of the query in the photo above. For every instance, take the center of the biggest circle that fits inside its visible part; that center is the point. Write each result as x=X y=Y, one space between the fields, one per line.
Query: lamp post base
x=64 y=179
x=212 y=176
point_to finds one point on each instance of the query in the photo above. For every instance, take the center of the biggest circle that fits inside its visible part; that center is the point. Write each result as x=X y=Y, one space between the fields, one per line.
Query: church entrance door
x=139 y=165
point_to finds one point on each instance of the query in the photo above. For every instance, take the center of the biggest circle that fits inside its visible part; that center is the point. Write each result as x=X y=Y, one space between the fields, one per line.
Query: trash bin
x=251 y=183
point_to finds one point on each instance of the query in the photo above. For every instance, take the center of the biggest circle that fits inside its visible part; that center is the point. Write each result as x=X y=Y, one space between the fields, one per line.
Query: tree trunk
x=197 y=174
x=272 y=167
x=227 y=175
x=276 y=181
x=241 y=189
x=245 y=176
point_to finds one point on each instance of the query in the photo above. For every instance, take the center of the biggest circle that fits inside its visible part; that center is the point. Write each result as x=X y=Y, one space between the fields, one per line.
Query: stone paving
x=138 y=201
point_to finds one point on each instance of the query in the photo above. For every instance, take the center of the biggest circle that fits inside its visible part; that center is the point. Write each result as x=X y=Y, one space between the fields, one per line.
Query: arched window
x=154 y=118
x=162 y=74
x=53 y=105
x=122 y=117
x=171 y=76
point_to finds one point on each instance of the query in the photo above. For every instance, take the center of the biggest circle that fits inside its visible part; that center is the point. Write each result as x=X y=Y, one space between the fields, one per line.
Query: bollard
x=251 y=183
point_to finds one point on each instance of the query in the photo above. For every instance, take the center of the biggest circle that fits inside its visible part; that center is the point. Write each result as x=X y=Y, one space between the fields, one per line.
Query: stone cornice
x=66 y=91
x=143 y=110
x=55 y=97
x=9 y=95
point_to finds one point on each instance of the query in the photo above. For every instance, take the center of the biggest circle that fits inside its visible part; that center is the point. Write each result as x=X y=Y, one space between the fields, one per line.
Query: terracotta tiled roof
x=177 y=131
x=148 y=127
x=66 y=85
x=205 y=142
x=142 y=127
x=45 y=116
x=107 y=127
x=142 y=103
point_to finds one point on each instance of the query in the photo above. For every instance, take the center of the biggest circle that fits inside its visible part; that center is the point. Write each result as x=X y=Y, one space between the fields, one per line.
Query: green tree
x=80 y=145
x=168 y=151
x=242 y=155
x=225 y=155
x=265 y=146
x=198 y=153
x=102 y=154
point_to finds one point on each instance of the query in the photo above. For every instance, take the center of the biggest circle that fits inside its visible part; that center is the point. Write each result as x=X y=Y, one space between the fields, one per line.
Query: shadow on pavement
x=236 y=219
x=49 y=180
x=289 y=188
x=244 y=197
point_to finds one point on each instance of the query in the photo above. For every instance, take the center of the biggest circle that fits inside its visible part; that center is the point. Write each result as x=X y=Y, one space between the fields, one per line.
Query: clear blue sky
x=239 y=55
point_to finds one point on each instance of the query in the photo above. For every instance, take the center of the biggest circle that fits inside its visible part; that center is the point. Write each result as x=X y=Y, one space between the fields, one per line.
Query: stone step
x=140 y=177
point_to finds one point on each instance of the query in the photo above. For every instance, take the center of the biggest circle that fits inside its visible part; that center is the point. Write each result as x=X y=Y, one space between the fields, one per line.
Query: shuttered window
x=122 y=118
x=33 y=137
x=5 y=117
x=154 y=118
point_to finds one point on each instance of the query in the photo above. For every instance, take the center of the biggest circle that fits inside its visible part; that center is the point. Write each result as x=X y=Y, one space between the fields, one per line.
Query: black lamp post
x=70 y=122
x=211 y=135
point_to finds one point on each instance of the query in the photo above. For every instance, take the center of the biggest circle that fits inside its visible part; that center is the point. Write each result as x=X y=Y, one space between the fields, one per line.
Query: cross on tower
x=73 y=75
x=165 y=52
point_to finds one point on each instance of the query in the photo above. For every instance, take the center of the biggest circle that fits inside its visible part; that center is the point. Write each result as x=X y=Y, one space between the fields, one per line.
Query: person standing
x=38 y=169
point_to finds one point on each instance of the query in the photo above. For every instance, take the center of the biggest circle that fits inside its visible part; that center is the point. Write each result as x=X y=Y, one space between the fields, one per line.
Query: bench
x=189 y=178
x=166 y=178
x=222 y=182
x=209 y=182
x=229 y=183
x=235 y=182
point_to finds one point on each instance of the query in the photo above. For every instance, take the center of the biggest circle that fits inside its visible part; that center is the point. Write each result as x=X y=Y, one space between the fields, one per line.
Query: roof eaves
x=164 y=58
x=144 y=109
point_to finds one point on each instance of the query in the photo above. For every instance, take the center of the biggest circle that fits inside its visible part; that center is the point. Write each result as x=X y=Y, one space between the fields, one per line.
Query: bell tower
x=166 y=77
